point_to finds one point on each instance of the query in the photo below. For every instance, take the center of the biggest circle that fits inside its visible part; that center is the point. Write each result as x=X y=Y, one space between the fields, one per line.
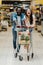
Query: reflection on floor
x=6 y=50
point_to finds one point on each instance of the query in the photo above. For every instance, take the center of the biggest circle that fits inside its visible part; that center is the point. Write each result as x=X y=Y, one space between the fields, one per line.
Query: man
x=16 y=17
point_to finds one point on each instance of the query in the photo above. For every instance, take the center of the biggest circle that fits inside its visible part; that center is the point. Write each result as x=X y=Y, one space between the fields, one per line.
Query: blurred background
x=6 y=45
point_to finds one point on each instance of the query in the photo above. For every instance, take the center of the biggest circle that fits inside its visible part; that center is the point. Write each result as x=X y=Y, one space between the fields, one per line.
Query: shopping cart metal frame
x=19 y=32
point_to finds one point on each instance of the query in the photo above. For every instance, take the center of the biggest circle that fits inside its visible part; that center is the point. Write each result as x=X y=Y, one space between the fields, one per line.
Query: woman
x=30 y=18
x=30 y=21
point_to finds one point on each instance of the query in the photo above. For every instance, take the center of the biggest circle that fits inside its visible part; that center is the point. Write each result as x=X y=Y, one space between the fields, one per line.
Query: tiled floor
x=6 y=50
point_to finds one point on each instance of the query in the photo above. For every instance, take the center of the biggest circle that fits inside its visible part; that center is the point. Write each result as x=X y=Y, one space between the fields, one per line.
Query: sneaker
x=15 y=55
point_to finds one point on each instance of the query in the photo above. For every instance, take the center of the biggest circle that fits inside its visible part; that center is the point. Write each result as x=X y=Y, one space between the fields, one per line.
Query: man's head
x=18 y=11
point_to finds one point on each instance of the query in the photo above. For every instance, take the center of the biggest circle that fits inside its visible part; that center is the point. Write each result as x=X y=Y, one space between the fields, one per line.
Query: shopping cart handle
x=18 y=26
x=25 y=27
x=21 y=26
x=29 y=26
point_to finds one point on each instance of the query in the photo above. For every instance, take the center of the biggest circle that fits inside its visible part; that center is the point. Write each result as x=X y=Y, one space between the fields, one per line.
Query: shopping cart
x=23 y=38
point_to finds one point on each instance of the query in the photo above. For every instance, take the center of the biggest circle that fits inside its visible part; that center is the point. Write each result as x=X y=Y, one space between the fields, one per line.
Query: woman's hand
x=32 y=26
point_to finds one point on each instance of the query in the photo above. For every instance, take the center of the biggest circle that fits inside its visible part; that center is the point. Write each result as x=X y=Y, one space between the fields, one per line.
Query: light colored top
x=18 y=20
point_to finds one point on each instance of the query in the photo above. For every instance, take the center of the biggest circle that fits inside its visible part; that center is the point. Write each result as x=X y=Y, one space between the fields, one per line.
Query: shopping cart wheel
x=32 y=55
x=20 y=58
x=28 y=58
x=15 y=55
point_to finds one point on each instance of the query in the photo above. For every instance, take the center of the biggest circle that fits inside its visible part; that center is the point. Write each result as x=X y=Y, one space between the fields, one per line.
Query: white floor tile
x=6 y=50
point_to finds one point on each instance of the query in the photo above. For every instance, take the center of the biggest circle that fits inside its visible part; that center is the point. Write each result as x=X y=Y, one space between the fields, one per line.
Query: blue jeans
x=14 y=39
x=30 y=30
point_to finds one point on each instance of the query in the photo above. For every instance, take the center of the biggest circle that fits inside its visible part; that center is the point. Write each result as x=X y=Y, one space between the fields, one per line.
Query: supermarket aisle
x=6 y=50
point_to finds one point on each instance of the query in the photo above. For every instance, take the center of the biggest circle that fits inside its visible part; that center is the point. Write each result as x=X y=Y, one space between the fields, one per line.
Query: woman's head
x=28 y=12
x=29 y=15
